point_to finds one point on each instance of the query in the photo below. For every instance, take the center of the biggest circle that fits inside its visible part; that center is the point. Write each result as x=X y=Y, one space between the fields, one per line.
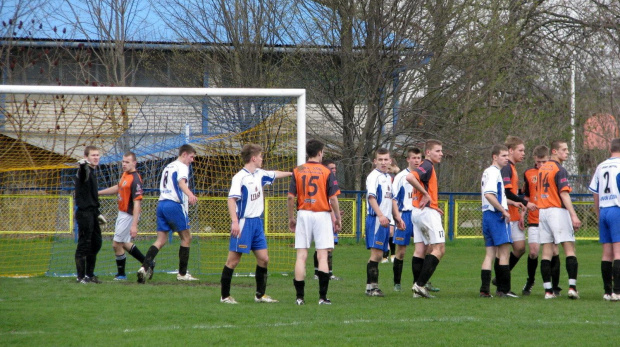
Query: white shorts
x=428 y=223
x=417 y=234
x=515 y=233
x=315 y=226
x=533 y=234
x=122 y=230
x=555 y=226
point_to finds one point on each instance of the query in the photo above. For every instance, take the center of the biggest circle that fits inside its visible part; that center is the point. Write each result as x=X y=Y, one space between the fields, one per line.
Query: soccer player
x=380 y=207
x=314 y=193
x=407 y=203
x=530 y=183
x=516 y=154
x=495 y=228
x=606 y=190
x=172 y=209
x=428 y=221
x=129 y=191
x=331 y=165
x=87 y=202
x=557 y=218
x=393 y=171
x=247 y=233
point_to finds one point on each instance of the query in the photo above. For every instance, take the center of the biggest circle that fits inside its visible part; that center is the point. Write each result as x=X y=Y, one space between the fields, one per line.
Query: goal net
x=43 y=132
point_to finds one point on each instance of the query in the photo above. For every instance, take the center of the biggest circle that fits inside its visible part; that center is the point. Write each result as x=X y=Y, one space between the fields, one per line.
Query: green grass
x=56 y=311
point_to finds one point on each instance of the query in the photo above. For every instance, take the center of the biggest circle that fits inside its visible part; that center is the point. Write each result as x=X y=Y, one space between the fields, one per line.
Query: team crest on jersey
x=534 y=179
x=124 y=183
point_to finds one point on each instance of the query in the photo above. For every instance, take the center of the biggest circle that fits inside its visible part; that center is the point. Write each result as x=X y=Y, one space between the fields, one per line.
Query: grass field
x=58 y=312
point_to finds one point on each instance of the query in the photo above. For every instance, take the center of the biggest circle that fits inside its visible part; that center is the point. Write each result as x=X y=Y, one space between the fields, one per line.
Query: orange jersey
x=530 y=186
x=129 y=189
x=511 y=182
x=552 y=179
x=425 y=173
x=313 y=184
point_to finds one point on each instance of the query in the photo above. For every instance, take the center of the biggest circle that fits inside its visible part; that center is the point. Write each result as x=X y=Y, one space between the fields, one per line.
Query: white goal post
x=300 y=94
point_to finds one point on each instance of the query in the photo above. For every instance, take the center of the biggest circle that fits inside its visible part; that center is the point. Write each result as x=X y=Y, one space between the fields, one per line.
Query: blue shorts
x=336 y=238
x=252 y=237
x=377 y=236
x=403 y=237
x=171 y=217
x=609 y=225
x=495 y=229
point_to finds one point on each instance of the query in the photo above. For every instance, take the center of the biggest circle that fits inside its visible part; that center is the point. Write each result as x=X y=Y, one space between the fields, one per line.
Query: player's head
x=559 y=150
x=615 y=146
x=330 y=165
x=252 y=153
x=516 y=148
x=414 y=157
x=187 y=153
x=433 y=150
x=91 y=153
x=129 y=162
x=499 y=153
x=314 y=148
x=382 y=159
x=394 y=169
x=541 y=155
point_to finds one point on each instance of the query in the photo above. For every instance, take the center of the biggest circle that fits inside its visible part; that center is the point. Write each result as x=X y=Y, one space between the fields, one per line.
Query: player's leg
x=303 y=240
x=186 y=240
x=85 y=229
x=322 y=255
x=95 y=245
x=518 y=244
x=572 y=267
x=316 y=266
x=616 y=268
x=259 y=247
x=431 y=221
x=402 y=238
x=121 y=259
x=134 y=251
x=607 y=269
x=555 y=270
x=397 y=267
x=490 y=255
x=122 y=236
x=227 y=272
x=545 y=268
x=532 y=258
x=377 y=242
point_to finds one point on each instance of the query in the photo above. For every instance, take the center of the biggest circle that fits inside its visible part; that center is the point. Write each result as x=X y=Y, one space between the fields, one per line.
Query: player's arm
x=596 y=205
x=492 y=199
x=383 y=220
x=291 y=202
x=333 y=200
x=137 y=209
x=232 y=212
x=568 y=204
x=400 y=224
x=191 y=197
x=413 y=180
x=282 y=174
x=109 y=191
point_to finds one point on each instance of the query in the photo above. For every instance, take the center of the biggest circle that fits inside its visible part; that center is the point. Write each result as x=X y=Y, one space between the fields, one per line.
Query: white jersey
x=169 y=185
x=403 y=191
x=493 y=183
x=379 y=185
x=606 y=182
x=247 y=189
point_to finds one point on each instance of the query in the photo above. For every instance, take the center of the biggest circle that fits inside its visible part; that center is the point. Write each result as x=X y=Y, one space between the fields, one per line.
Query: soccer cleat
x=550 y=295
x=385 y=260
x=228 y=300
x=120 y=278
x=415 y=295
x=485 y=295
x=506 y=295
x=94 y=279
x=186 y=277
x=573 y=294
x=375 y=292
x=84 y=280
x=615 y=297
x=422 y=291
x=300 y=302
x=264 y=298
x=607 y=297
x=101 y=219
x=397 y=287
x=430 y=287
x=325 y=302
x=316 y=277
x=556 y=291
x=334 y=278
x=142 y=275
x=527 y=288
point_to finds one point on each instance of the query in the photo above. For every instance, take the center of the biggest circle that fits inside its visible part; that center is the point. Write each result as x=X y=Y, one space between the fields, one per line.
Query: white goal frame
x=300 y=94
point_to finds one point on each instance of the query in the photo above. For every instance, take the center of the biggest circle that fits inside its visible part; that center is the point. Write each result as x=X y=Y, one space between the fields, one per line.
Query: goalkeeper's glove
x=101 y=219
x=83 y=161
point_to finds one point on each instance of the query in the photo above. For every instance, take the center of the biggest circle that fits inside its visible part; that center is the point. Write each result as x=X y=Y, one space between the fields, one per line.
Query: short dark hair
x=430 y=144
x=512 y=142
x=540 y=151
x=414 y=150
x=249 y=150
x=382 y=151
x=497 y=149
x=186 y=148
x=327 y=162
x=556 y=144
x=130 y=154
x=88 y=149
x=313 y=147
x=615 y=145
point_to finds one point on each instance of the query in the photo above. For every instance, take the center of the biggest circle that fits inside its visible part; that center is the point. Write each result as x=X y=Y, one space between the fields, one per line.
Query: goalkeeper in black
x=86 y=216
